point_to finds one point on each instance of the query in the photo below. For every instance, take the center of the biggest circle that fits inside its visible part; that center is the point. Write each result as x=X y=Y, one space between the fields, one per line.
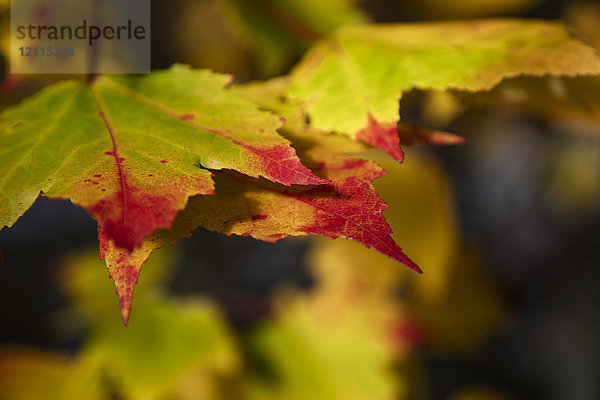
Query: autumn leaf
x=131 y=150
x=348 y=207
x=351 y=81
x=422 y=216
x=271 y=95
x=36 y=374
x=191 y=346
x=574 y=102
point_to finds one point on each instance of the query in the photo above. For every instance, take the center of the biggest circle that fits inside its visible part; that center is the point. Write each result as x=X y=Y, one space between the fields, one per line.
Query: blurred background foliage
x=506 y=228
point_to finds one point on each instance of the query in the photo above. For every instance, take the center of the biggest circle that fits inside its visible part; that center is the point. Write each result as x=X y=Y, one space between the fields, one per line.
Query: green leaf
x=351 y=81
x=271 y=95
x=34 y=374
x=131 y=150
x=175 y=347
x=315 y=356
x=339 y=340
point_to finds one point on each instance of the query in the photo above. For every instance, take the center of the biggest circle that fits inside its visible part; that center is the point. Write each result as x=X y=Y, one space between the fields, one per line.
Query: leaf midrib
x=113 y=138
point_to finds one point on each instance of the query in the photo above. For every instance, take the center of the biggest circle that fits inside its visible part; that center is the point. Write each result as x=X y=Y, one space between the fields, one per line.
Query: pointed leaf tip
x=125 y=277
x=348 y=207
x=124 y=269
x=389 y=136
x=412 y=134
x=125 y=293
x=410 y=264
x=125 y=311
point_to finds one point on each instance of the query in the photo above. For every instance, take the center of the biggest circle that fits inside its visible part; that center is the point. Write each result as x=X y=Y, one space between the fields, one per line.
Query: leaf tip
x=122 y=269
x=404 y=259
x=125 y=311
x=125 y=283
x=415 y=268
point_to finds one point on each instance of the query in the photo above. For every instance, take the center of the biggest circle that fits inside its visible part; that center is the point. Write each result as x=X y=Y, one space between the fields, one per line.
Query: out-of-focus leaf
x=198 y=34
x=584 y=19
x=575 y=102
x=351 y=82
x=316 y=350
x=172 y=344
x=574 y=192
x=176 y=348
x=440 y=109
x=339 y=341
x=27 y=374
x=278 y=31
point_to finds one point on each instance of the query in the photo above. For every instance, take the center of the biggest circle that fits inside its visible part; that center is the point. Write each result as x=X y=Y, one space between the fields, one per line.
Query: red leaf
x=383 y=136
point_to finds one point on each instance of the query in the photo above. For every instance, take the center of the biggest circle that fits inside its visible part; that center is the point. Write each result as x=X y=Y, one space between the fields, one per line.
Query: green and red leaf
x=348 y=207
x=133 y=150
x=351 y=81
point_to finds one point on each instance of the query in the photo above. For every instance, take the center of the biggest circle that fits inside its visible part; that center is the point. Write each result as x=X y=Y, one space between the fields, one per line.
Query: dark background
x=546 y=262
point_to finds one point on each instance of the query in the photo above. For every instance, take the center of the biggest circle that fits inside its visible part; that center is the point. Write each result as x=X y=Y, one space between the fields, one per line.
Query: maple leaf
x=271 y=95
x=351 y=82
x=153 y=166
x=348 y=207
x=131 y=150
